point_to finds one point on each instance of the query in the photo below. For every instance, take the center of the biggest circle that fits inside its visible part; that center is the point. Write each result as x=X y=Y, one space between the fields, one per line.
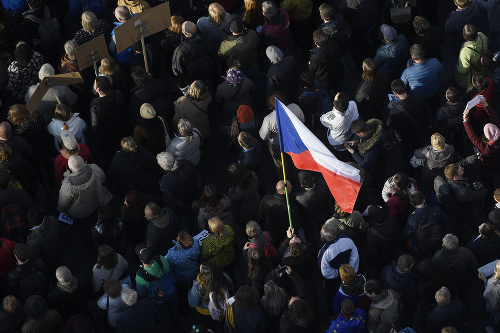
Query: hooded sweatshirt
x=339 y=126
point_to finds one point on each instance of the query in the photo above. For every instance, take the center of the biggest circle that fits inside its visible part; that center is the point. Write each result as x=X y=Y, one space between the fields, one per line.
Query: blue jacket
x=423 y=78
x=184 y=262
x=126 y=54
x=456 y=22
x=392 y=57
x=13 y=5
x=354 y=324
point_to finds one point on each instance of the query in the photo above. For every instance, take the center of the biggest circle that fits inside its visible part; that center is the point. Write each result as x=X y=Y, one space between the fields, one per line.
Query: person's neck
x=451 y=103
x=4 y=139
x=418 y=61
x=101 y=94
x=421 y=205
x=402 y=96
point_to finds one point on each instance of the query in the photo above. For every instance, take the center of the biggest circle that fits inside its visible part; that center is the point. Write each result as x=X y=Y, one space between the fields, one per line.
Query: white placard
x=202 y=235
x=473 y=102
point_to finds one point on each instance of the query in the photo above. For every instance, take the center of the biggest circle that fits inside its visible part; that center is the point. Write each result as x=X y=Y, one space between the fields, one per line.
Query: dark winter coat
x=326 y=64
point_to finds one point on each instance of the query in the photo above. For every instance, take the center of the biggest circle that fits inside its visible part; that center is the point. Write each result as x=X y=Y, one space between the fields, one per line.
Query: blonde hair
x=128 y=144
x=216 y=13
x=347 y=273
x=253 y=229
x=339 y=210
x=18 y=113
x=5 y=152
x=90 y=22
x=198 y=91
x=438 y=141
x=176 y=24
x=496 y=273
x=108 y=66
x=216 y=226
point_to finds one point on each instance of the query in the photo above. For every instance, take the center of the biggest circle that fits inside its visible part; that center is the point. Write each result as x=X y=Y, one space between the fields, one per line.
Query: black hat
x=145 y=255
x=306 y=179
x=23 y=54
x=35 y=307
x=236 y=23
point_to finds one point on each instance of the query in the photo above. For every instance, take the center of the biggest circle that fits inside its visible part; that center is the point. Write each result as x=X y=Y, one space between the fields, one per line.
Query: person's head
x=216 y=226
x=417 y=52
x=443 y=296
x=147 y=111
x=176 y=24
x=113 y=288
x=245 y=140
x=306 y=180
x=70 y=49
x=122 y=13
x=405 y=262
x=274 y=54
x=35 y=307
x=487 y=230
x=295 y=246
x=236 y=24
x=63 y=274
x=34 y=216
x=371 y=70
x=109 y=66
x=452 y=95
x=5 y=152
x=210 y=198
x=470 y=32
x=269 y=9
x=4 y=178
x=360 y=128
x=11 y=304
x=145 y=256
x=90 y=22
x=461 y=3
x=185 y=127
x=198 y=91
x=235 y=77
x=152 y=211
x=18 y=113
x=184 y=239
x=373 y=288
x=165 y=160
x=280 y=187
x=23 y=54
x=299 y=310
x=256 y=260
x=329 y=231
x=479 y=81
x=398 y=87
x=450 y=242
x=271 y=99
x=106 y=257
x=129 y=297
x=62 y=112
x=128 y=144
x=246 y=298
x=449 y=329
x=275 y=299
x=22 y=252
x=326 y=12
x=496 y=272
x=401 y=180
x=253 y=230
x=241 y=176
x=339 y=211
x=421 y=26
x=320 y=38
x=496 y=195
x=45 y=70
x=347 y=273
x=245 y=114
x=453 y=171
x=5 y=130
x=377 y=214
x=491 y=132
x=216 y=13
x=102 y=85
x=390 y=34
x=438 y=141
x=189 y=29
x=35 y=4
x=140 y=76
x=76 y=164
x=341 y=102
x=417 y=198
x=347 y=307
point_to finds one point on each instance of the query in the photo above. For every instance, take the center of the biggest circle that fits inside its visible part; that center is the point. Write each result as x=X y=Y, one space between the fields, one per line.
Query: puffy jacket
x=76 y=126
x=218 y=250
x=469 y=57
x=240 y=50
x=186 y=147
x=155 y=270
x=189 y=49
x=184 y=262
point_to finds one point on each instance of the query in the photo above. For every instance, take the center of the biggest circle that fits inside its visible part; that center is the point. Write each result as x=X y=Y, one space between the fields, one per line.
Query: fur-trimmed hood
x=367 y=143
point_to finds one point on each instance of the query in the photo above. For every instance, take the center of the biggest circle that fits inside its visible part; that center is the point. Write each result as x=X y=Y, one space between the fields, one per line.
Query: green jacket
x=299 y=10
x=469 y=56
x=240 y=50
x=218 y=250
x=142 y=285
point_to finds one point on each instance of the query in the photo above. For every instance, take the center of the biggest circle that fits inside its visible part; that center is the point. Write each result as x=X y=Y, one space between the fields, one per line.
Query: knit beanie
x=491 y=132
x=244 y=114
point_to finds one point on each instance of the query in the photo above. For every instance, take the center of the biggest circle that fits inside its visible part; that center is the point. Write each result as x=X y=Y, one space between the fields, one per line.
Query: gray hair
x=63 y=274
x=450 y=242
x=129 y=296
x=269 y=9
x=185 y=127
x=76 y=163
x=70 y=48
x=443 y=296
x=275 y=299
x=45 y=70
x=122 y=13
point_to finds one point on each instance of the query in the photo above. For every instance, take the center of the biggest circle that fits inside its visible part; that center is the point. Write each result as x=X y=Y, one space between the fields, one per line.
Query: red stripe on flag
x=344 y=190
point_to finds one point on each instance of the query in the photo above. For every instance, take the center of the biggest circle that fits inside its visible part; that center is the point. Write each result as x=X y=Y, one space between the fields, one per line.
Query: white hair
x=45 y=70
x=70 y=48
x=450 y=242
x=443 y=296
x=129 y=296
x=76 y=163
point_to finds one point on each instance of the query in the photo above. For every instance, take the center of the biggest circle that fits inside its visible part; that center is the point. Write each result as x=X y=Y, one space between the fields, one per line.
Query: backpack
x=269 y=249
x=95 y=6
x=401 y=14
x=485 y=61
x=161 y=288
x=34 y=282
x=217 y=311
x=48 y=29
x=14 y=222
x=445 y=196
x=324 y=102
x=428 y=233
x=341 y=34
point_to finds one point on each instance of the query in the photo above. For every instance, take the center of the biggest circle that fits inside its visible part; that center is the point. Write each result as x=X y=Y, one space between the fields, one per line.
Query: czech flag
x=308 y=153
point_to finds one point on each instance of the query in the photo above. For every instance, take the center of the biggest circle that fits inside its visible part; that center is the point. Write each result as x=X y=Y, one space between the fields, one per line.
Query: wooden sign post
x=48 y=83
x=141 y=26
x=92 y=52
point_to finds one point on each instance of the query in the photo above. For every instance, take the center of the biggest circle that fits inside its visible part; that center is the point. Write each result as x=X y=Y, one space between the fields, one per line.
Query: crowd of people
x=145 y=198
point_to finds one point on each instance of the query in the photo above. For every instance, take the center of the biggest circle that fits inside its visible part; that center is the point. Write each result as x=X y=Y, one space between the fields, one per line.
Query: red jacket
x=7 y=259
x=61 y=163
x=490 y=151
x=478 y=112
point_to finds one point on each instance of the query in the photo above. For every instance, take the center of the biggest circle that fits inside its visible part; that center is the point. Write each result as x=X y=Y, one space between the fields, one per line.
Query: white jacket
x=269 y=128
x=76 y=126
x=339 y=127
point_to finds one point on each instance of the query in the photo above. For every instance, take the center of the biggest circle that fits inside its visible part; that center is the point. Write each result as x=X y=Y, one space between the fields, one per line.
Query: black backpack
x=428 y=233
x=48 y=29
x=14 y=223
x=445 y=196
x=34 y=282
x=341 y=34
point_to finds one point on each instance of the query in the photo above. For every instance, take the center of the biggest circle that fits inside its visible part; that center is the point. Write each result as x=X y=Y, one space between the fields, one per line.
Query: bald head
x=63 y=274
x=122 y=13
x=189 y=29
x=5 y=130
x=280 y=187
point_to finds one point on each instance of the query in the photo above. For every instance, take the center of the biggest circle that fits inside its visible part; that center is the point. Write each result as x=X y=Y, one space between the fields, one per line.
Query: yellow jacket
x=134 y=6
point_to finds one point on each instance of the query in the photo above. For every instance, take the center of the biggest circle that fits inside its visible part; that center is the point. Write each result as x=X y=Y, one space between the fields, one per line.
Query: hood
x=161 y=221
x=355 y=288
x=280 y=21
x=154 y=269
x=68 y=287
x=443 y=155
x=368 y=143
x=81 y=180
x=384 y=301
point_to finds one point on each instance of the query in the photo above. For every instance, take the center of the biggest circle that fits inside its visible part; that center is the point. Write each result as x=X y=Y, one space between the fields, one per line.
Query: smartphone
x=280 y=271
